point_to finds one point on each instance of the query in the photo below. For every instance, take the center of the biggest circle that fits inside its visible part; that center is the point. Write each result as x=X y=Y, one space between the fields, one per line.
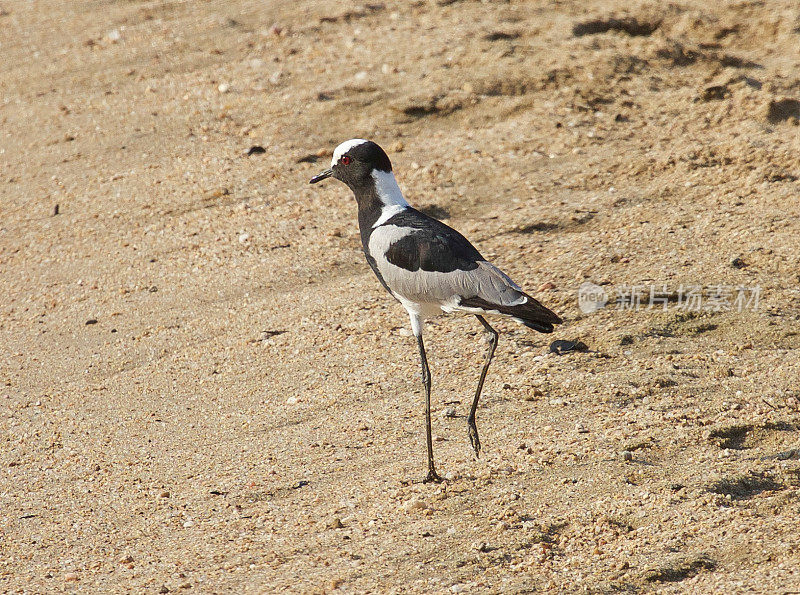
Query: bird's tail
x=530 y=312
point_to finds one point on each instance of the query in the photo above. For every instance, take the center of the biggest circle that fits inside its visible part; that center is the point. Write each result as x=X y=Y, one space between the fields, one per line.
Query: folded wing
x=432 y=263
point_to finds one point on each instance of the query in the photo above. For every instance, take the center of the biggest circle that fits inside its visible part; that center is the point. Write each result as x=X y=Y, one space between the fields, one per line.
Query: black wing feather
x=431 y=246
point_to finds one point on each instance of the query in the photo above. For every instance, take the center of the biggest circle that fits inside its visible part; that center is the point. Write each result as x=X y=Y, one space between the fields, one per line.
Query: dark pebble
x=562 y=346
x=256 y=150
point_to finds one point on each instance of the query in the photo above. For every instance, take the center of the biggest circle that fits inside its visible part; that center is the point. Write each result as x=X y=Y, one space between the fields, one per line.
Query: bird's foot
x=432 y=477
x=473 y=437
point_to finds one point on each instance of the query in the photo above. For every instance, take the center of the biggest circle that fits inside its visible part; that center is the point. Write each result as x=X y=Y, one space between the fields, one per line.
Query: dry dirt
x=203 y=388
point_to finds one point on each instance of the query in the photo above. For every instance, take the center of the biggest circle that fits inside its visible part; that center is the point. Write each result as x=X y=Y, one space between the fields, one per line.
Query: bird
x=427 y=266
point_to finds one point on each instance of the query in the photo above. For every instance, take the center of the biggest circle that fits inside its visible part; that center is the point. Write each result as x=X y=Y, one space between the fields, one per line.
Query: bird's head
x=355 y=163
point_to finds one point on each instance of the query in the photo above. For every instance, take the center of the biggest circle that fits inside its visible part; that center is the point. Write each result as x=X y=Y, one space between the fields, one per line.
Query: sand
x=204 y=389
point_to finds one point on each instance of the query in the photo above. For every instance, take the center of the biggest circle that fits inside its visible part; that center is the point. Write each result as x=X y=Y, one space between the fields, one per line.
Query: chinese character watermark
x=690 y=298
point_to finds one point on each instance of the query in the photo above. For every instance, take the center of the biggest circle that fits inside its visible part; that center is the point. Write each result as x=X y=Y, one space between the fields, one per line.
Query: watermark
x=690 y=298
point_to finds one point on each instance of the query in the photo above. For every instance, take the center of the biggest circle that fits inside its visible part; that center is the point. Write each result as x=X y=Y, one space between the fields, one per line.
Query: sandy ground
x=203 y=388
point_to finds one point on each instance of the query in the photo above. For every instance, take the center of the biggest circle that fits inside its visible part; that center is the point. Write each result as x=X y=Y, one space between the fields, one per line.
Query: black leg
x=426 y=380
x=473 y=429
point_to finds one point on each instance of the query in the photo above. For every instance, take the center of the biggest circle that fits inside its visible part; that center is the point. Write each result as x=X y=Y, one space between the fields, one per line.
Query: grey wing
x=426 y=265
x=446 y=270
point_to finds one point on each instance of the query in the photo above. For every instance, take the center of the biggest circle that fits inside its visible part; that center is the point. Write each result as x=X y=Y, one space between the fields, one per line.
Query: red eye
x=345 y=160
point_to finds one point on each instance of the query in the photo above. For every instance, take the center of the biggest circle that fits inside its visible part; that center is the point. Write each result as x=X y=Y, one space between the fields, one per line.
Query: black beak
x=321 y=176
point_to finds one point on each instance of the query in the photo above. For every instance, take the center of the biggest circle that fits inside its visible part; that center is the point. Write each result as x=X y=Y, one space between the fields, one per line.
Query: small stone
x=335 y=523
x=714 y=92
x=114 y=35
x=738 y=263
x=164 y=495
x=458 y=588
x=291 y=401
x=188 y=524
x=450 y=412
x=71 y=577
x=126 y=559
x=398 y=147
x=163 y=589
x=415 y=504
x=91 y=321
x=224 y=88
x=533 y=394
x=480 y=546
x=580 y=428
x=562 y=346
x=547 y=286
x=335 y=583
x=361 y=75
x=216 y=193
x=243 y=238
x=627 y=455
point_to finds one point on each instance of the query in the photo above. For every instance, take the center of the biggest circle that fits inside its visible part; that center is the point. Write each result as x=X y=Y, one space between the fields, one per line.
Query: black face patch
x=433 y=250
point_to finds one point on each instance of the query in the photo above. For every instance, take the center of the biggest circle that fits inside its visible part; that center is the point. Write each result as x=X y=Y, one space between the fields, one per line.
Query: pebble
x=458 y=588
x=291 y=401
x=627 y=455
x=243 y=238
x=224 y=88
x=450 y=412
x=414 y=504
x=738 y=263
x=335 y=523
x=71 y=577
x=188 y=524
